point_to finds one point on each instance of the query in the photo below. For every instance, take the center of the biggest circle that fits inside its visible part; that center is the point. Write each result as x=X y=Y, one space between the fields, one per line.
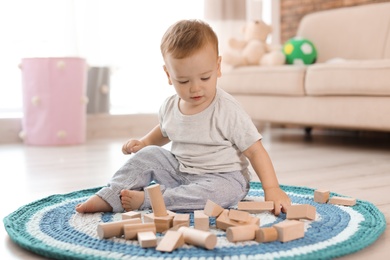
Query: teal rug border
x=374 y=220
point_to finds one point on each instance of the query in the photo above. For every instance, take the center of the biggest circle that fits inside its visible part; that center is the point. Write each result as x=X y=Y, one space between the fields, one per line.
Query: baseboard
x=98 y=126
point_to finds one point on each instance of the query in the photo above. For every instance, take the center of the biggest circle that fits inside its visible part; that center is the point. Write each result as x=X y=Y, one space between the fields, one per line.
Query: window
x=123 y=35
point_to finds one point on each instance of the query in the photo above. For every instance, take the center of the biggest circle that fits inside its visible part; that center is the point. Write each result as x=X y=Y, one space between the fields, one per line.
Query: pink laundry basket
x=54 y=101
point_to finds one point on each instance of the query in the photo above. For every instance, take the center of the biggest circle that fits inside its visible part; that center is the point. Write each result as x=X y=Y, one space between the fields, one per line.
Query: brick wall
x=292 y=11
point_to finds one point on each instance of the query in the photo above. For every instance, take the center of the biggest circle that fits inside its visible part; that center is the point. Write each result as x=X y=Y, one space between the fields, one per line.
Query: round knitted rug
x=50 y=227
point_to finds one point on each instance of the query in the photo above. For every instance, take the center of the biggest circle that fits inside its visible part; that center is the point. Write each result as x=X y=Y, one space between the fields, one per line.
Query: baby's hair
x=185 y=37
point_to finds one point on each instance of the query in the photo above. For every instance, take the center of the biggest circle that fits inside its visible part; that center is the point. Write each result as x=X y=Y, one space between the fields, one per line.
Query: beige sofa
x=348 y=87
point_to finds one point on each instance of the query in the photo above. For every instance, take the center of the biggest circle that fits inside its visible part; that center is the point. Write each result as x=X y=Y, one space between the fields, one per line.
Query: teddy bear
x=253 y=49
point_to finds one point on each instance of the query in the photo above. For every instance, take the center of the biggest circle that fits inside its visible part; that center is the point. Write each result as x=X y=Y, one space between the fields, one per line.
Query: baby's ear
x=167 y=73
x=219 y=66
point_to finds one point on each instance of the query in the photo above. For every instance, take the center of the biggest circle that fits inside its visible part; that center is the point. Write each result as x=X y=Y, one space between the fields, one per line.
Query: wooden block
x=290 y=230
x=131 y=230
x=147 y=239
x=238 y=215
x=304 y=211
x=241 y=233
x=171 y=241
x=212 y=209
x=255 y=206
x=223 y=221
x=342 y=201
x=162 y=223
x=175 y=227
x=199 y=238
x=181 y=219
x=254 y=220
x=114 y=229
x=201 y=220
x=131 y=214
x=268 y=234
x=321 y=195
x=156 y=200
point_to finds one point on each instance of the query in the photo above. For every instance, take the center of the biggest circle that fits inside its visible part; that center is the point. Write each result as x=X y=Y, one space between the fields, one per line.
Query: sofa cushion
x=368 y=77
x=358 y=32
x=279 y=80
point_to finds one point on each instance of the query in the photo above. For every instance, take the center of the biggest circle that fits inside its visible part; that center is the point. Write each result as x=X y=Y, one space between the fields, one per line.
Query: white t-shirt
x=212 y=140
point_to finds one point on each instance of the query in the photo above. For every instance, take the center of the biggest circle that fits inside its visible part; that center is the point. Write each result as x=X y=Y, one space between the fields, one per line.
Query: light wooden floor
x=349 y=163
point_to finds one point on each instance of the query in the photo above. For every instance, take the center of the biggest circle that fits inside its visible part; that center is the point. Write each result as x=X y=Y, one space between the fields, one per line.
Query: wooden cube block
x=162 y=223
x=131 y=214
x=290 y=230
x=241 y=233
x=268 y=234
x=342 y=201
x=147 y=239
x=181 y=219
x=171 y=241
x=304 y=211
x=201 y=220
x=212 y=209
x=238 y=215
x=321 y=195
x=255 y=206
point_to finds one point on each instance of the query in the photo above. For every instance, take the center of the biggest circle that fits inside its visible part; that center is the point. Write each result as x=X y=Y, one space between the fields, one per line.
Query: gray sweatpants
x=181 y=191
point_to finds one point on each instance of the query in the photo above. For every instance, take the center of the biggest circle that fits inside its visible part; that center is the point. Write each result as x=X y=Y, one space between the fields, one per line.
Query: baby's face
x=194 y=78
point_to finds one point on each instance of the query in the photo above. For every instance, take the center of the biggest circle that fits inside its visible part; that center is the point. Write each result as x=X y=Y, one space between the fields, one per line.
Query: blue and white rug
x=50 y=227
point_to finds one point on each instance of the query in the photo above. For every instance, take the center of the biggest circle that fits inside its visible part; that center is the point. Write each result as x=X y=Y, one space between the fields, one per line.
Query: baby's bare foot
x=132 y=199
x=94 y=204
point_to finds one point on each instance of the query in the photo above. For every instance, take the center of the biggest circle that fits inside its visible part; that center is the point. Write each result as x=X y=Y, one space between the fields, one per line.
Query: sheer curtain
x=228 y=17
x=123 y=35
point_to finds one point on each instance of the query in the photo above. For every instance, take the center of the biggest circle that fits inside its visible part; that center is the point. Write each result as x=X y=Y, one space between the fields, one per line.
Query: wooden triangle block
x=171 y=241
x=212 y=209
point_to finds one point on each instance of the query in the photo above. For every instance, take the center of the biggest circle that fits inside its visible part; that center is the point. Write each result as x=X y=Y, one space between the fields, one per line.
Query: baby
x=212 y=138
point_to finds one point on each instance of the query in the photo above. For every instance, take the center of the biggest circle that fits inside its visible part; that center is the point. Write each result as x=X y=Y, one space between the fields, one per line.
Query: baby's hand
x=280 y=199
x=132 y=146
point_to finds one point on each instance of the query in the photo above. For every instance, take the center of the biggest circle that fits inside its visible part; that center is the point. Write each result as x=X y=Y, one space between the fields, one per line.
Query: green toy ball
x=300 y=51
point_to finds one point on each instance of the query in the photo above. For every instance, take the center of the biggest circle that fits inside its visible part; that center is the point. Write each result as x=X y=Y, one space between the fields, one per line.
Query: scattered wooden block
x=114 y=229
x=181 y=219
x=304 y=211
x=342 y=201
x=212 y=209
x=131 y=230
x=201 y=220
x=175 y=227
x=131 y=214
x=147 y=239
x=200 y=238
x=223 y=221
x=255 y=206
x=240 y=216
x=171 y=241
x=321 y=195
x=268 y=234
x=162 y=223
x=241 y=233
x=156 y=200
x=290 y=230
